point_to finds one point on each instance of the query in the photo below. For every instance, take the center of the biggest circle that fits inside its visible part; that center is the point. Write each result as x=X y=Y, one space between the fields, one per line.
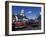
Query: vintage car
x=20 y=24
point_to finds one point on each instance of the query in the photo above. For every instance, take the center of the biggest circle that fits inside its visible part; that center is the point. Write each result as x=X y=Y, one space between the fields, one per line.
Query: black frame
x=7 y=17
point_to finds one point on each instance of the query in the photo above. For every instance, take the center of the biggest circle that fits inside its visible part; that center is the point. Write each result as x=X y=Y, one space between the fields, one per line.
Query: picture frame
x=35 y=20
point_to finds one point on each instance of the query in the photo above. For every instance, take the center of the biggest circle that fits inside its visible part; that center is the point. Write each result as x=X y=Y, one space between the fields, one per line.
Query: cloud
x=40 y=13
x=30 y=12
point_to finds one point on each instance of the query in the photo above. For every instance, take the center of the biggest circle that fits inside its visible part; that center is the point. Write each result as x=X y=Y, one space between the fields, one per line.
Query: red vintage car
x=20 y=24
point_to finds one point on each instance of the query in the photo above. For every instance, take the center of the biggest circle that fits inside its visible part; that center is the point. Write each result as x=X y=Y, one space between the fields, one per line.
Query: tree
x=39 y=17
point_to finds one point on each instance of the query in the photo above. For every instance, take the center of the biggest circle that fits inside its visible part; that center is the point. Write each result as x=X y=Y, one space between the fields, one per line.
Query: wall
x=2 y=19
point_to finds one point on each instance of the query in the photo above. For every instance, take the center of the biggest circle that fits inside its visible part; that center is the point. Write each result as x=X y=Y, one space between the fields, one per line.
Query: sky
x=29 y=12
